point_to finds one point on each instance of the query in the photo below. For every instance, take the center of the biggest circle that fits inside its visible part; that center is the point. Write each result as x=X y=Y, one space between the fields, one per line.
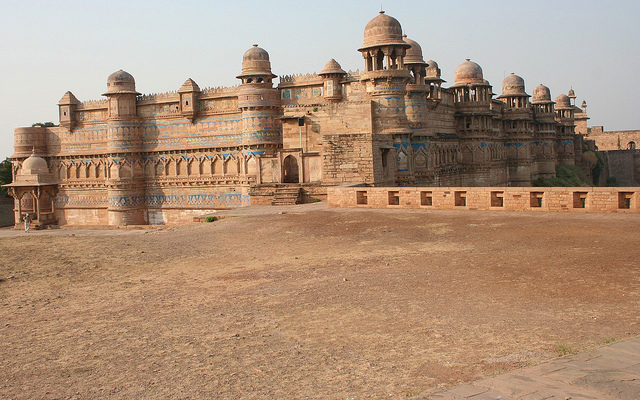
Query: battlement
x=219 y=90
x=93 y=104
x=166 y=97
x=300 y=80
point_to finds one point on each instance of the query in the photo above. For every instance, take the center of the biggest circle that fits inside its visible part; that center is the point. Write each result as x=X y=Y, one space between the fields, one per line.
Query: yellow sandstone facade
x=134 y=159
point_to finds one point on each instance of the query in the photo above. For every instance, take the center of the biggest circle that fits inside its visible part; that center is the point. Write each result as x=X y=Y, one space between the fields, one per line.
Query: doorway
x=290 y=167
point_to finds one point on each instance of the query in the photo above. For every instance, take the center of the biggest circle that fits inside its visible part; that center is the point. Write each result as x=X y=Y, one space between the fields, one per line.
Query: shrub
x=563 y=349
x=566 y=176
x=210 y=219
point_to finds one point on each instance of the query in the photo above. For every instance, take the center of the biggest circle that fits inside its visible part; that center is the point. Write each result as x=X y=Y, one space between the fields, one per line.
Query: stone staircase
x=286 y=195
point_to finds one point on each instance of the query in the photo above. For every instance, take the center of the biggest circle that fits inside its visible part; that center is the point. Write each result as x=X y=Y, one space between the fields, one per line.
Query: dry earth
x=330 y=304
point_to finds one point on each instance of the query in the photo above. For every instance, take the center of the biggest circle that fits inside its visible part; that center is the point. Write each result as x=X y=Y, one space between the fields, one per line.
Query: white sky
x=50 y=47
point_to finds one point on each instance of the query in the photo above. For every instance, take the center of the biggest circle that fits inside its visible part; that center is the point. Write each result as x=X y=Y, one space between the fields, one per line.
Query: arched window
x=631 y=145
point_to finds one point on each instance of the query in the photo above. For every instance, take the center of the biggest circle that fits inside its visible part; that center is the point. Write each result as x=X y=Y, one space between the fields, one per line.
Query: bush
x=563 y=349
x=5 y=175
x=210 y=219
x=566 y=176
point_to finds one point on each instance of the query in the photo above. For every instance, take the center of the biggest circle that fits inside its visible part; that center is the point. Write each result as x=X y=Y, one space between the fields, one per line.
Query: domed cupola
x=513 y=85
x=563 y=102
x=433 y=70
x=121 y=82
x=383 y=30
x=541 y=101
x=121 y=91
x=470 y=85
x=414 y=53
x=513 y=93
x=34 y=165
x=469 y=73
x=256 y=67
x=384 y=47
x=33 y=171
x=414 y=62
x=541 y=95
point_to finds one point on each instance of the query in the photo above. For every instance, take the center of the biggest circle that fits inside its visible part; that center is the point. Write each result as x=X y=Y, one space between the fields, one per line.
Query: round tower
x=122 y=130
x=416 y=97
x=518 y=126
x=258 y=100
x=385 y=80
x=545 y=132
x=565 y=118
x=332 y=75
x=385 y=76
x=125 y=178
x=472 y=98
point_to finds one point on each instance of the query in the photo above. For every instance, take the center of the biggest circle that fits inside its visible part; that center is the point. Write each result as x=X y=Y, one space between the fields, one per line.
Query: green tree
x=5 y=175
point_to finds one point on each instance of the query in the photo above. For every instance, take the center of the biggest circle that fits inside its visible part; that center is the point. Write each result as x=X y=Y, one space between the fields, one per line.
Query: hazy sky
x=50 y=47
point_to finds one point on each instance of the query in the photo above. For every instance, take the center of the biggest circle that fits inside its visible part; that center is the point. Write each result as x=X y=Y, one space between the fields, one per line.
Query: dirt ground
x=321 y=304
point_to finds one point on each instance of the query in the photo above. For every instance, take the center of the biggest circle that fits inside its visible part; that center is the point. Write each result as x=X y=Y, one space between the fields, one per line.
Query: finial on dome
x=255 y=45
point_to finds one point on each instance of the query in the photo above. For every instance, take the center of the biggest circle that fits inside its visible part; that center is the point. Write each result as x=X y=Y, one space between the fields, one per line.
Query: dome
x=255 y=61
x=563 y=102
x=34 y=165
x=513 y=85
x=433 y=71
x=383 y=30
x=121 y=82
x=414 y=53
x=572 y=94
x=541 y=94
x=332 y=67
x=469 y=72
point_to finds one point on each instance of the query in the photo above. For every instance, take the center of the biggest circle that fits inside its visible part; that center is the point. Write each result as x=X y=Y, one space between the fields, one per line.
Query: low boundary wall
x=572 y=199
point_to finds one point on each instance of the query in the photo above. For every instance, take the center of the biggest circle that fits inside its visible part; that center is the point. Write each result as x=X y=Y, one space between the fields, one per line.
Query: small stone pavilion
x=34 y=190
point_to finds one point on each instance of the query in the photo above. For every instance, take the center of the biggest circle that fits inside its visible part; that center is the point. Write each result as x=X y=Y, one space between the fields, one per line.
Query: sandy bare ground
x=330 y=304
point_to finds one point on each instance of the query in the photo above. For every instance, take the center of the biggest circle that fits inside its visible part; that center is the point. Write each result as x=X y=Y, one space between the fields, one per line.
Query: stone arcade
x=165 y=158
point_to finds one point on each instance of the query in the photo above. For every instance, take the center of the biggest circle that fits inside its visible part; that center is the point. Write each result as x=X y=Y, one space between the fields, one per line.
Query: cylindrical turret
x=125 y=183
x=258 y=100
x=122 y=124
x=545 y=125
x=564 y=117
x=385 y=76
x=416 y=97
x=27 y=140
x=518 y=123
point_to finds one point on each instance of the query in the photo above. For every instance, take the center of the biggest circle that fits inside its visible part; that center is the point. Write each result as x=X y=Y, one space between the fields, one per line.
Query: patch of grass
x=609 y=340
x=210 y=219
x=563 y=349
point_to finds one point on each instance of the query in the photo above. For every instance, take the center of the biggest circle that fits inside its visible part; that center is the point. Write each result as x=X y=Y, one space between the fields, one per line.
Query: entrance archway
x=290 y=170
x=631 y=146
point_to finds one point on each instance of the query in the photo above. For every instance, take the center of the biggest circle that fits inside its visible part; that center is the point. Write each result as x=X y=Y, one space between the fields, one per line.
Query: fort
x=134 y=159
